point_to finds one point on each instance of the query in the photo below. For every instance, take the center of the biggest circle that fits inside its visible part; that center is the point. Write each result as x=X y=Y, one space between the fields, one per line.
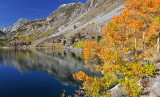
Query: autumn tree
x=127 y=41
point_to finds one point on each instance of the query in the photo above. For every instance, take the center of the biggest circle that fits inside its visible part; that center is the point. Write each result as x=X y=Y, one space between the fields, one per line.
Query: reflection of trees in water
x=64 y=53
x=59 y=64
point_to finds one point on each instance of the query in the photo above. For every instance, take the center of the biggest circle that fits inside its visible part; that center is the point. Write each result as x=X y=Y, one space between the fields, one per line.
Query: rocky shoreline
x=66 y=48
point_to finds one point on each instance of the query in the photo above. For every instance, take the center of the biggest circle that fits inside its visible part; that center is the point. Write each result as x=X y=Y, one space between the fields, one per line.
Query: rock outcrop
x=155 y=92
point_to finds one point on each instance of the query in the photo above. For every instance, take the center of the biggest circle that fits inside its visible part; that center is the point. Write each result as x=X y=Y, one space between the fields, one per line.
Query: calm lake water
x=39 y=73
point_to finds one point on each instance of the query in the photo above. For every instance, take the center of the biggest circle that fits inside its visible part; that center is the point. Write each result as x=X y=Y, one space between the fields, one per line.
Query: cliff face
x=66 y=20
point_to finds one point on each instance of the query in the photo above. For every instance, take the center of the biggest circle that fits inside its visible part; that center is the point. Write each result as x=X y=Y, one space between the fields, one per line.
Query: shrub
x=79 y=44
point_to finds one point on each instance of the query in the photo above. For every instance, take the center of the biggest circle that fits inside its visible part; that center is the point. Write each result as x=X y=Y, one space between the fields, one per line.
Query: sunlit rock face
x=61 y=65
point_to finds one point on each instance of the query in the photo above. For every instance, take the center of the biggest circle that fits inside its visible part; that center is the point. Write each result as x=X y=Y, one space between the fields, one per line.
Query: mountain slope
x=16 y=26
x=65 y=23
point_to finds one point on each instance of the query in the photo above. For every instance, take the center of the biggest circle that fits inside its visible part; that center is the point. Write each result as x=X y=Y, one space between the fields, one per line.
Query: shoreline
x=66 y=48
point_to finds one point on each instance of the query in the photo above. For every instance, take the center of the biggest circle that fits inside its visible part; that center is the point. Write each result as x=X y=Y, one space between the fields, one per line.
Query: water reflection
x=58 y=63
x=39 y=73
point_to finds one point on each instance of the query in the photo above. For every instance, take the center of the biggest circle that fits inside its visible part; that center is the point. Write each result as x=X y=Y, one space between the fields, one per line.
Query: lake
x=39 y=73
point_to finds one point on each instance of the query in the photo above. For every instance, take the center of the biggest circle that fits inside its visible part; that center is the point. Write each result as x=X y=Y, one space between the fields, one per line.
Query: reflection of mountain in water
x=60 y=65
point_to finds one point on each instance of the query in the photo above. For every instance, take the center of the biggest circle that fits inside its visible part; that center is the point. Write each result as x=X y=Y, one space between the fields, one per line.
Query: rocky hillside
x=70 y=23
x=16 y=26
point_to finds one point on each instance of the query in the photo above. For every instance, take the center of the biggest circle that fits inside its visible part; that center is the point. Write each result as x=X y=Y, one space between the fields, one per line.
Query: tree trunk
x=158 y=43
x=143 y=41
x=135 y=43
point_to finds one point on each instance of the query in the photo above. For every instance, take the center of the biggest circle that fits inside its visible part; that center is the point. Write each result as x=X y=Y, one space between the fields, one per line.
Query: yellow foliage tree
x=127 y=40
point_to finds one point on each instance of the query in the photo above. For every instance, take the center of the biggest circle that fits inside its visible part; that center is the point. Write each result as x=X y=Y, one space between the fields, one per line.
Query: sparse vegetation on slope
x=79 y=44
x=69 y=17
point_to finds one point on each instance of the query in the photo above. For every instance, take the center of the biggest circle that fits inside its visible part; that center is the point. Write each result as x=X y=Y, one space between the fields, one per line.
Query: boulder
x=118 y=91
x=155 y=91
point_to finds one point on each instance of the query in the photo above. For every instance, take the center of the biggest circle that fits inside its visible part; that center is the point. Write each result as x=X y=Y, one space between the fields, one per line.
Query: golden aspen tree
x=135 y=29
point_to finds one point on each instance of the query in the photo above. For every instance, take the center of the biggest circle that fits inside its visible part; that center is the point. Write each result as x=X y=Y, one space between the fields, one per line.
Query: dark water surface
x=38 y=73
